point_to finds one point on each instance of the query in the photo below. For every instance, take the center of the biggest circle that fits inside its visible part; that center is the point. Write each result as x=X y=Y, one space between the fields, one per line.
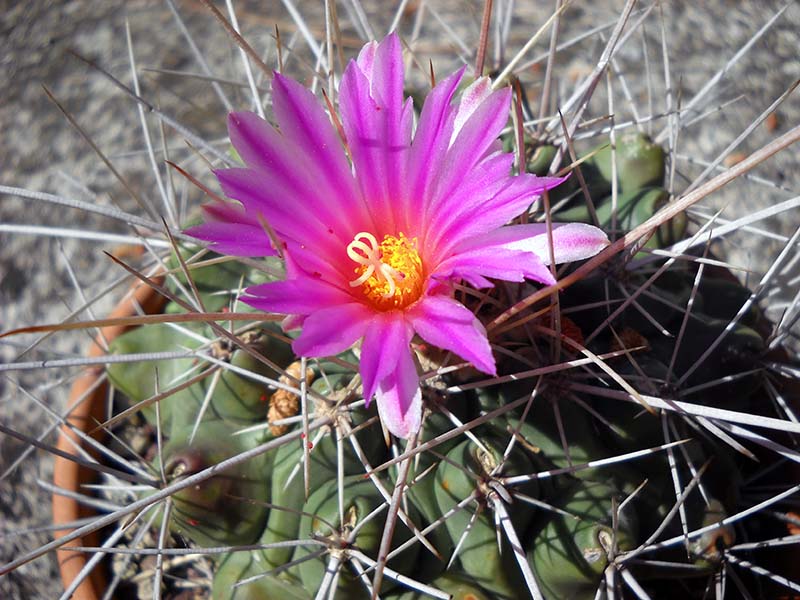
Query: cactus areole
x=378 y=224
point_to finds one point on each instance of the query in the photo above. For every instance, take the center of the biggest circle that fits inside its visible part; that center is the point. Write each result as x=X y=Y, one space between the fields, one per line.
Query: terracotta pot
x=85 y=410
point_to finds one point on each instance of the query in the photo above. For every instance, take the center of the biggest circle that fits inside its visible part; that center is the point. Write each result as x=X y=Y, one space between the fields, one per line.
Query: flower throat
x=390 y=274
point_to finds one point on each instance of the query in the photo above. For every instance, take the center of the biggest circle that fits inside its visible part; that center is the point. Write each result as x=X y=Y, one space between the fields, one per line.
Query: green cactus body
x=640 y=164
x=215 y=283
x=550 y=453
x=739 y=351
x=235 y=399
x=728 y=297
x=283 y=524
x=227 y=509
x=240 y=399
x=142 y=379
x=335 y=377
x=238 y=566
x=569 y=554
x=478 y=554
x=422 y=492
x=663 y=303
x=540 y=432
x=633 y=427
x=321 y=519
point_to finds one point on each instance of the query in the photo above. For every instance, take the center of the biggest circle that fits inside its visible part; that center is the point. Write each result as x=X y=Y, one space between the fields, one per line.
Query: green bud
x=633 y=208
x=640 y=164
x=542 y=157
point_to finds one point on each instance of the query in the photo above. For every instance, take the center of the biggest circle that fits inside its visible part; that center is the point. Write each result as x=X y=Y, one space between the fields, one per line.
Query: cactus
x=574 y=531
x=615 y=438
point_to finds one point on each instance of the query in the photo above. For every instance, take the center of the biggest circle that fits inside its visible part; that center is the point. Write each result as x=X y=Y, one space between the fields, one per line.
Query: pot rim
x=85 y=408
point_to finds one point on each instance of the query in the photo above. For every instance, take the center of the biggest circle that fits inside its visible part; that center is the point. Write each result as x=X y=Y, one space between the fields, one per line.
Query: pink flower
x=374 y=244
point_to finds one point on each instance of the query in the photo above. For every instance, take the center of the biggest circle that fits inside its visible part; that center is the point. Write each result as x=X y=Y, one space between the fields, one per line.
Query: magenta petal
x=365 y=139
x=256 y=141
x=475 y=138
x=496 y=262
x=293 y=322
x=302 y=120
x=386 y=78
x=571 y=241
x=481 y=184
x=235 y=239
x=387 y=338
x=291 y=174
x=301 y=296
x=432 y=137
x=471 y=98
x=400 y=399
x=456 y=222
x=332 y=330
x=366 y=57
x=286 y=210
x=445 y=323
x=231 y=231
x=378 y=128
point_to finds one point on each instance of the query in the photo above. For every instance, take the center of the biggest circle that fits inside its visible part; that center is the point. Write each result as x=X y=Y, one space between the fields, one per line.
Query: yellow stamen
x=390 y=273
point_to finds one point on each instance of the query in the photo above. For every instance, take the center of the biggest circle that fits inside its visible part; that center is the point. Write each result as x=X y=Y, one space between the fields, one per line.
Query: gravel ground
x=41 y=152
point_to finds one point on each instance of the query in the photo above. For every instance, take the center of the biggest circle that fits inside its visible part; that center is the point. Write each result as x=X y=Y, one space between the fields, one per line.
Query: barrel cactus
x=429 y=351
x=583 y=452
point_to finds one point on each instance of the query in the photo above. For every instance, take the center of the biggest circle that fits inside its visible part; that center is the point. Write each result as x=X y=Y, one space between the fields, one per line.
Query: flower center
x=390 y=273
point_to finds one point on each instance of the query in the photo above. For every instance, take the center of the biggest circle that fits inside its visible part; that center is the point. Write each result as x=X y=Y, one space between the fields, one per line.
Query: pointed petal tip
x=544 y=277
x=401 y=424
x=579 y=241
x=281 y=82
x=571 y=241
x=392 y=43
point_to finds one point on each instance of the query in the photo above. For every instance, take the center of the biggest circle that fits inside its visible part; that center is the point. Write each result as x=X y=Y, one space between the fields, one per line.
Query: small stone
x=734 y=158
x=771 y=122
